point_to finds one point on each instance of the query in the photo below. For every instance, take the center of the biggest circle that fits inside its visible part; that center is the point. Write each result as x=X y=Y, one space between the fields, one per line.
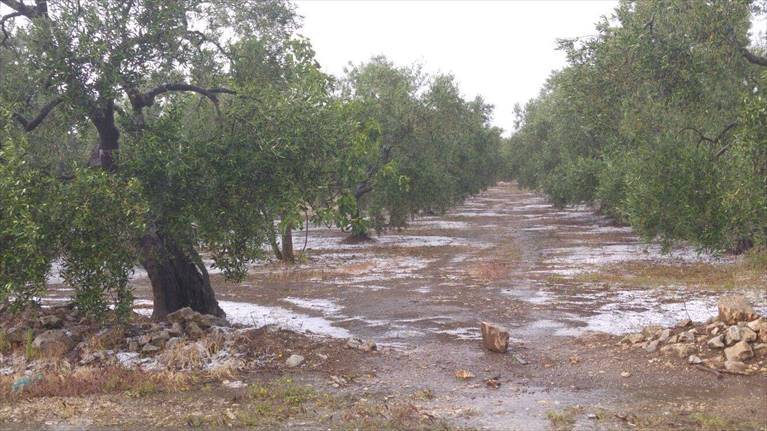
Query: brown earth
x=567 y=284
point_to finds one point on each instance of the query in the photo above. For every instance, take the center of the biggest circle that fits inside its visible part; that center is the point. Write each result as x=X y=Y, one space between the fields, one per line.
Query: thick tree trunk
x=179 y=278
x=287 y=245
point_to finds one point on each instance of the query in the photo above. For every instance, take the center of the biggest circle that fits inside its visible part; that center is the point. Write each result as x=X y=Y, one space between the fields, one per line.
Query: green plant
x=30 y=351
x=5 y=343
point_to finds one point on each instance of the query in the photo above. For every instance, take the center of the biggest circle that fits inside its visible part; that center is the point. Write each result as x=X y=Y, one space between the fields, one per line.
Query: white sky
x=503 y=50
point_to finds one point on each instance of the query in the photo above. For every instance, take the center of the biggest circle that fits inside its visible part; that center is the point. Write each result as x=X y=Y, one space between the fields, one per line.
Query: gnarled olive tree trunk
x=179 y=277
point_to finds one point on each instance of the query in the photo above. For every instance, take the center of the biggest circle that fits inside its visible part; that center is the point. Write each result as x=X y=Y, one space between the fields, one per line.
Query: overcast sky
x=503 y=50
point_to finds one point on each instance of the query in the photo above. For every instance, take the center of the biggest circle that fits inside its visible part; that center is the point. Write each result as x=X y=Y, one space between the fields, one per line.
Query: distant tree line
x=660 y=120
x=148 y=133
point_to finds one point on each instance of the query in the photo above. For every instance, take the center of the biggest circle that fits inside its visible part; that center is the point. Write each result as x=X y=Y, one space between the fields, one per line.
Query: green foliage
x=421 y=148
x=105 y=214
x=658 y=120
x=27 y=219
x=206 y=127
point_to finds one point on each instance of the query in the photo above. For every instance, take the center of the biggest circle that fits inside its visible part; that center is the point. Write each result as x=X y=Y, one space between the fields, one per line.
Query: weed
x=30 y=352
x=195 y=421
x=423 y=394
x=5 y=343
x=711 y=422
x=143 y=389
x=562 y=420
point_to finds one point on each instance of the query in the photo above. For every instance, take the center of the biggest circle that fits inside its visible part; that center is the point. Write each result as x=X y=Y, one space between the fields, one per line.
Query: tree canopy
x=658 y=120
x=156 y=133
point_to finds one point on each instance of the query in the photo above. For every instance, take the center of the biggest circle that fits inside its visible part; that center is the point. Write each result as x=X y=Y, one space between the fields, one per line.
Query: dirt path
x=552 y=276
x=508 y=257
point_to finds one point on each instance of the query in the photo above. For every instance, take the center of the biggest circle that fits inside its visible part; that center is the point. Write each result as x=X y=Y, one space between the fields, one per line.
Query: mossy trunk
x=179 y=277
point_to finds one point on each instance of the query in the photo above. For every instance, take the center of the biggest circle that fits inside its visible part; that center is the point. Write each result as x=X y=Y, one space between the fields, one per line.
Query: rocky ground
x=604 y=332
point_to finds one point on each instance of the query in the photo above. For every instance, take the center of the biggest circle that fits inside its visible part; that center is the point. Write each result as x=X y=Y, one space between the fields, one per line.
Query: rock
x=756 y=325
x=109 y=338
x=234 y=384
x=144 y=339
x=186 y=315
x=133 y=345
x=652 y=331
x=127 y=359
x=160 y=337
x=464 y=375
x=176 y=329
x=520 y=359
x=715 y=330
x=735 y=366
x=715 y=362
x=760 y=327
x=494 y=337
x=294 y=361
x=172 y=342
x=53 y=343
x=651 y=346
x=747 y=334
x=50 y=321
x=633 y=338
x=16 y=335
x=625 y=374
x=687 y=337
x=91 y=357
x=684 y=323
x=716 y=342
x=183 y=315
x=360 y=344
x=734 y=309
x=194 y=330
x=673 y=339
x=694 y=360
x=732 y=335
x=664 y=335
x=149 y=348
x=739 y=352
x=680 y=349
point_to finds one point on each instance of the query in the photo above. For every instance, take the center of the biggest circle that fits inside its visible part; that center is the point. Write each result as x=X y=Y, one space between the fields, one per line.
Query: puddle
x=462 y=333
x=325 y=306
x=577 y=259
x=248 y=314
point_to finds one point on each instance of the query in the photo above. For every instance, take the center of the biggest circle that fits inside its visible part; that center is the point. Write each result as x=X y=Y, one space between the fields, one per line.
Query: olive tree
x=108 y=94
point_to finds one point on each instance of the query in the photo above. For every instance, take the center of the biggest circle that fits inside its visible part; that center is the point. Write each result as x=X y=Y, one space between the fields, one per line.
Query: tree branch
x=40 y=8
x=202 y=38
x=30 y=125
x=5 y=18
x=753 y=58
x=750 y=56
x=140 y=101
x=700 y=134
x=721 y=135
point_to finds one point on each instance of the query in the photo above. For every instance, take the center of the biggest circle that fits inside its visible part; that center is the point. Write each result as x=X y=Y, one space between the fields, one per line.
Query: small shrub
x=30 y=352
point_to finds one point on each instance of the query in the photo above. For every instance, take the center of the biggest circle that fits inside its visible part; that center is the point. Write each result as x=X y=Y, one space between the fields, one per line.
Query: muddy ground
x=567 y=283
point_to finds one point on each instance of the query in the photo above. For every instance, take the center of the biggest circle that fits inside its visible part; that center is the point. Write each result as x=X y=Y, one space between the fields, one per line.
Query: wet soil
x=509 y=257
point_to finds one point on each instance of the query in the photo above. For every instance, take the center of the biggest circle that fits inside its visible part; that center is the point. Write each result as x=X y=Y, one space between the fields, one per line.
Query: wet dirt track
x=505 y=256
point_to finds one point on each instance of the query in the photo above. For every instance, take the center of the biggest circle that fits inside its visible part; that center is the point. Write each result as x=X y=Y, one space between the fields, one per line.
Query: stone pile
x=734 y=341
x=181 y=323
